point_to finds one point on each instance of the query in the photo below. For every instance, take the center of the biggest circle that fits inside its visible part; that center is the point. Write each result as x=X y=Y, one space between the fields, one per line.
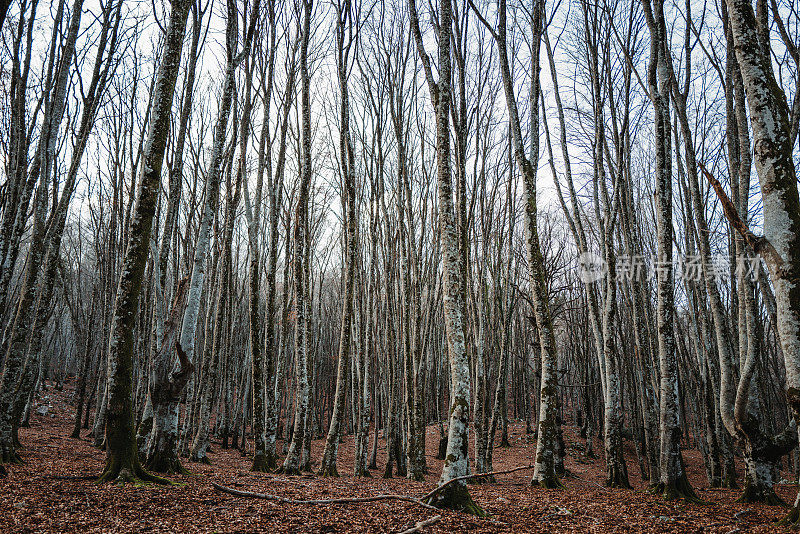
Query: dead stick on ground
x=467 y=477
x=374 y=498
x=347 y=500
x=422 y=524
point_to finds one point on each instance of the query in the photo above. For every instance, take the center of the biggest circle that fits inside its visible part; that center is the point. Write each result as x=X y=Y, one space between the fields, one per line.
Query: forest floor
x=39 y=497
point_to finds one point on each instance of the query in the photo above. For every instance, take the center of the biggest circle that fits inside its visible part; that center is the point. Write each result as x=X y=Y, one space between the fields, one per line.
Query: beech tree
x=122 y=460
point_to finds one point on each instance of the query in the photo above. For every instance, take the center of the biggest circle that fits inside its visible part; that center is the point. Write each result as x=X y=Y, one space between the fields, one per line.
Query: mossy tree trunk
x=291 y=464
x=122 y=460
x=456 y=463
x=344 y=46
x=168 y=382
x=673 y=482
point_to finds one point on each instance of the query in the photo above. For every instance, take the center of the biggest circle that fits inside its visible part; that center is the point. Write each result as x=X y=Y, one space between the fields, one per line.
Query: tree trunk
x=122 y=461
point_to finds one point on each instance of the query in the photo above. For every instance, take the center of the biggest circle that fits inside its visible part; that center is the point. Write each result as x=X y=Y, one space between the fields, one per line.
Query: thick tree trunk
x=772 y=149
x=168 y=381
x=122 y=461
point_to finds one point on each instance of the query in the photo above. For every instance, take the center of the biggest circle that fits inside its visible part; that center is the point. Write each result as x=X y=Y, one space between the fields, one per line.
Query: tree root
x=132 y=473
x=416 y=477
x=618 y=479
x=9 y=455
x=729 y=482
x=792 y=519
x=551 y=482
x=752 y=494
x=168 y=466
x=262 y=464
x=328 y=470
x=680 y=489
x=454 y=496
x=289 y=471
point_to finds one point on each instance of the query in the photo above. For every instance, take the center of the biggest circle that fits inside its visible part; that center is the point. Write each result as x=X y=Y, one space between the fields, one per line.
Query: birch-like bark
x=456 y=462
x=772 y=150
x=264 y=459
x=344 y=42
x=545 y=464
x=214 y=178
x=291 y=464
x=273 y=355
x=168 y=381
x=176 y=171
x=101 y=72
x=673 y=482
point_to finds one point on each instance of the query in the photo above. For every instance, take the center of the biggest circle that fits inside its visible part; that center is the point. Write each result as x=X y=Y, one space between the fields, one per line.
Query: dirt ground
x=39 y=497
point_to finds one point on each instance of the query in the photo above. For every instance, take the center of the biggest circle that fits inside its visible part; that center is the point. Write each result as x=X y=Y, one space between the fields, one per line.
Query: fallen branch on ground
x=468 y=477
x=422 y=524
x=346 y=500
x=374 y=498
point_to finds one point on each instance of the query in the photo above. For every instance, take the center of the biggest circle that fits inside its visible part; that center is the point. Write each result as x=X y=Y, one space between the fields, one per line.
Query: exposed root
x=551 y=482
x=264 y=463
x=754 y=494
x=618 y=478
x=792 y=519
x=455 y=497
x=328 y=470
x=9 y=455
x=131 y=472
x=729 y=482
x=289 y=471
x=680 y=489
x=170 y=466
x=565 y=473
x=416 y=476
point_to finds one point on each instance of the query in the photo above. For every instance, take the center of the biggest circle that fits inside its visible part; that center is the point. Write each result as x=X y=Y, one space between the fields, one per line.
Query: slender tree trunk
x=456 y=463
x=291 y=464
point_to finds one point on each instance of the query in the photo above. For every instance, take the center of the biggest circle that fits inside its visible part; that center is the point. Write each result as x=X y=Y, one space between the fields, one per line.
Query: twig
x=598 y=485
x=422 y=524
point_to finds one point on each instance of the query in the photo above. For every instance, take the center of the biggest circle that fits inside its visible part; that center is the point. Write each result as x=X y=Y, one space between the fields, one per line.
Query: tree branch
x=759 y=244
